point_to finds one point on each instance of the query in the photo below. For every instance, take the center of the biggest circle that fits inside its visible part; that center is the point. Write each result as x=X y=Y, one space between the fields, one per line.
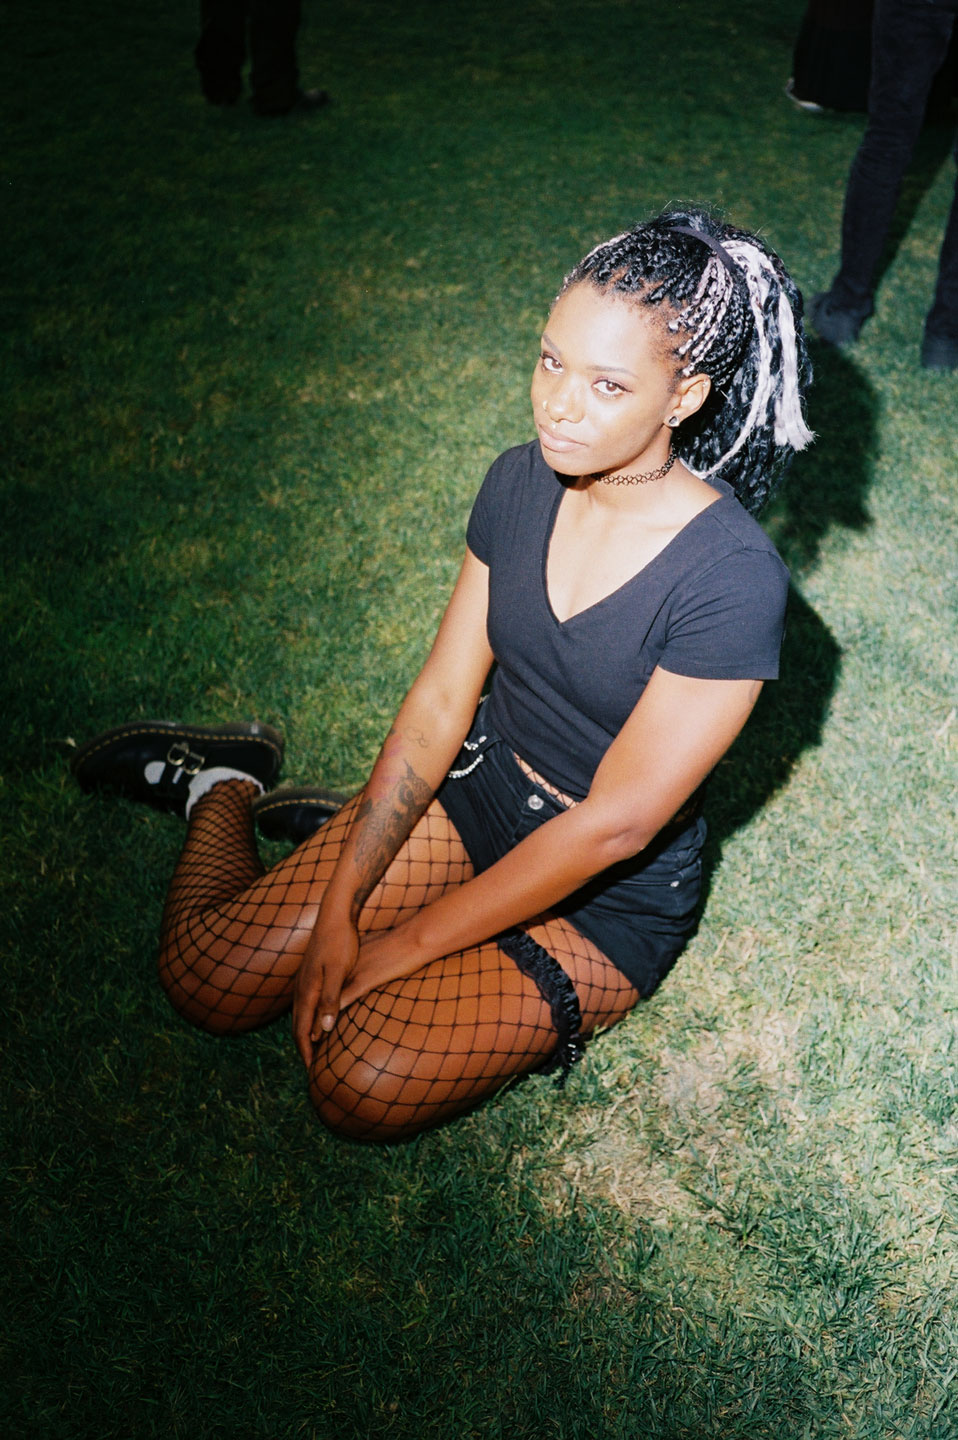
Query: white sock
x=204 y=780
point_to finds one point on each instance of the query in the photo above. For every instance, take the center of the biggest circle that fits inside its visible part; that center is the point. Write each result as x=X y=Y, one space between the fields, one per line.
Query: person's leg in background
x=221 y=49
x=909 y=44
x=274 y=72
x=939 y=349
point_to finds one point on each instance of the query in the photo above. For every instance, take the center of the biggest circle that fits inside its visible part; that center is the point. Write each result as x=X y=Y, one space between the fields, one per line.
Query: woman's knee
x=213 y=1002
x=353 y=1097
x=384 y=1094
x=369 y=1118
x=203 y=1011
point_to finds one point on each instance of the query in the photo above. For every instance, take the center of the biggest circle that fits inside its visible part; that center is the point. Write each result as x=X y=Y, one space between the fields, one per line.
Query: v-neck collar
x=724 y=492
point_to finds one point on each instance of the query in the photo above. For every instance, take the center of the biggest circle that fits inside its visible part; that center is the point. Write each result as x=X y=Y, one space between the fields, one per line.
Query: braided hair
x=730 y=311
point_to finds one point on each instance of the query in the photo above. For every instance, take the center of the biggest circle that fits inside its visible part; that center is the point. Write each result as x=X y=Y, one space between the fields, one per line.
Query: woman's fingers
x=328 y=960
x=304 y=1009
x=327 y=1006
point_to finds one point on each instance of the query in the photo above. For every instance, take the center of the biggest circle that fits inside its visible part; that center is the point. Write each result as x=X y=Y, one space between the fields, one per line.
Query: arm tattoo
x=383 y=827
x=411 y=733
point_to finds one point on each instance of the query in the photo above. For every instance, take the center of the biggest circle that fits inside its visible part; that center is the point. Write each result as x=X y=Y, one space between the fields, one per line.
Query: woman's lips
x=562 y=444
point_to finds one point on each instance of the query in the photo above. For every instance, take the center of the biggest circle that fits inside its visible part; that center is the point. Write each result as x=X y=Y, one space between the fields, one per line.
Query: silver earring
x=672 y=422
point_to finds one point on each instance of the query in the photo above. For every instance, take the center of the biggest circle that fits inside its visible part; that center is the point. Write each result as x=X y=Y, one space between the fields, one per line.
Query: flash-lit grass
x=254 y=373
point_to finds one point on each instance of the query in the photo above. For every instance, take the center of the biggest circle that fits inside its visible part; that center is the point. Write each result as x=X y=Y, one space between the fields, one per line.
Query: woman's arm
x=425 y=738
x=673 y=739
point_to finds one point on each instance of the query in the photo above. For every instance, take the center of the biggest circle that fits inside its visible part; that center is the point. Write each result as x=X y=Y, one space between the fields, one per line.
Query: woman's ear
x=690 y=395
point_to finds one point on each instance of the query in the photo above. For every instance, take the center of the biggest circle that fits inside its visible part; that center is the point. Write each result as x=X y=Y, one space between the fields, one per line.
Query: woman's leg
x=422 y=1049
x=407 y=1056
x=233 y=933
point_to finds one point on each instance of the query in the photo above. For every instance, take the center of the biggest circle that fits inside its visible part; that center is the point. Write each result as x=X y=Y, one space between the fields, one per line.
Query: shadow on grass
x=827 y=487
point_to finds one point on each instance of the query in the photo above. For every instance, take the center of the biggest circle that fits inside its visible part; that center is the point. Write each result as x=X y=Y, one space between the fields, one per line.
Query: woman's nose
x=562 y=402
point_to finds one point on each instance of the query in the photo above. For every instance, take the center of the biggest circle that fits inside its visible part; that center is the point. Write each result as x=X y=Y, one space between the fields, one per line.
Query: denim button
x=535 y=802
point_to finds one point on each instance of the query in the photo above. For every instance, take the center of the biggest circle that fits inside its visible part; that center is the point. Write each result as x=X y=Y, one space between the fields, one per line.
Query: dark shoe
x=311 y=100
x=836 y=324
x=154 y=760
x=812 y=106
x=939 y=352
x=295 y=813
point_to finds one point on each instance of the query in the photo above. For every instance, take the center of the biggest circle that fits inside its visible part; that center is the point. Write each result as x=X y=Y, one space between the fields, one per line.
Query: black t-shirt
x=710 y=605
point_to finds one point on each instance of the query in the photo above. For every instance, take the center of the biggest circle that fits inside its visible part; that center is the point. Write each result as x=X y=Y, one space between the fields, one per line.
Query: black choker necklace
x=640 y=479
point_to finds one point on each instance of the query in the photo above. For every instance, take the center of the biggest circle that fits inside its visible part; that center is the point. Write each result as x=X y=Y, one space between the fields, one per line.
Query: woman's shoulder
x=724 y=555
x=513 y=502
x=517 y=477
x=726 y=606
x=730 y=526
x=522 y=461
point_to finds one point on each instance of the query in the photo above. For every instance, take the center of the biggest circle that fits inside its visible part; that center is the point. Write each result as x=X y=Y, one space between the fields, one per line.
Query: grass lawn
x=254 y=372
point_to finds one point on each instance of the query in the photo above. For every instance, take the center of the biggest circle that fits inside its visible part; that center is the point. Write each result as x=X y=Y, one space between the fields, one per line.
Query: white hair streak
x=715 y=278
x=789 y=422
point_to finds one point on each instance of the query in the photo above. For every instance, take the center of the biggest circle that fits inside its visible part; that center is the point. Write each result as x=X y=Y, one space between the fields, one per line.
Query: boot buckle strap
x=180 y=755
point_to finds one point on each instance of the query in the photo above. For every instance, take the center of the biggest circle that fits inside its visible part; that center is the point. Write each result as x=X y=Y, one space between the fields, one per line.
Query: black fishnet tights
x=406 y=1056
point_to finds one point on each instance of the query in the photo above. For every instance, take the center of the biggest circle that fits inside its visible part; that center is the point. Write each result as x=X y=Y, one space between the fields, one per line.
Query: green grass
x=253 y=375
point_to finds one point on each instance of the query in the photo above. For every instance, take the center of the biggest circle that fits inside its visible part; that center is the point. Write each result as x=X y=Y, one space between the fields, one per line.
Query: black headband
x=734 y=270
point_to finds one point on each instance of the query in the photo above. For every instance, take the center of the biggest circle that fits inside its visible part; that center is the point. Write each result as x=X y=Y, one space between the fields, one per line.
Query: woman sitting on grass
x=518 y=871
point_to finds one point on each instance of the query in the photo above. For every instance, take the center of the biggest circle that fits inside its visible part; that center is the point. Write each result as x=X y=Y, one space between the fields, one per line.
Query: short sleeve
x=728 y=625
x=480 y=530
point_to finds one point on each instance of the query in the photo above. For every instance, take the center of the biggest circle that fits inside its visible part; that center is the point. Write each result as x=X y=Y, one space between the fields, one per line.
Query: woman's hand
x=339 y=968
x=329 y=959
x=384 y=955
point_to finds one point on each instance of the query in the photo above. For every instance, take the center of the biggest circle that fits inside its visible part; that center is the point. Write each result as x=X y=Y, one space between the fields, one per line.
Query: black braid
x=709 y=325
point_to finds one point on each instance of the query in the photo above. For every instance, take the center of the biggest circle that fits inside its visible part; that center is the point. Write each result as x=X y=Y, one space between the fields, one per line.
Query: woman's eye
x=609 y=387
x=549 y=363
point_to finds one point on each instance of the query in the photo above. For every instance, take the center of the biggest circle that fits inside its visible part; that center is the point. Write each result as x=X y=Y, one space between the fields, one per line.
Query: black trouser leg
x=909 y=43
x=221 y=49
x=274 y=76
x=943 y=315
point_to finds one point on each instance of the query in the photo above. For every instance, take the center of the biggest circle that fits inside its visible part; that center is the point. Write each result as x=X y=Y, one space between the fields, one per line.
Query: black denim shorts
x=640 y=913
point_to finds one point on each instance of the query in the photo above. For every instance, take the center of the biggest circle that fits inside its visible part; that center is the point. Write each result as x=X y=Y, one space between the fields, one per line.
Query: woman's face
x=602 y=390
